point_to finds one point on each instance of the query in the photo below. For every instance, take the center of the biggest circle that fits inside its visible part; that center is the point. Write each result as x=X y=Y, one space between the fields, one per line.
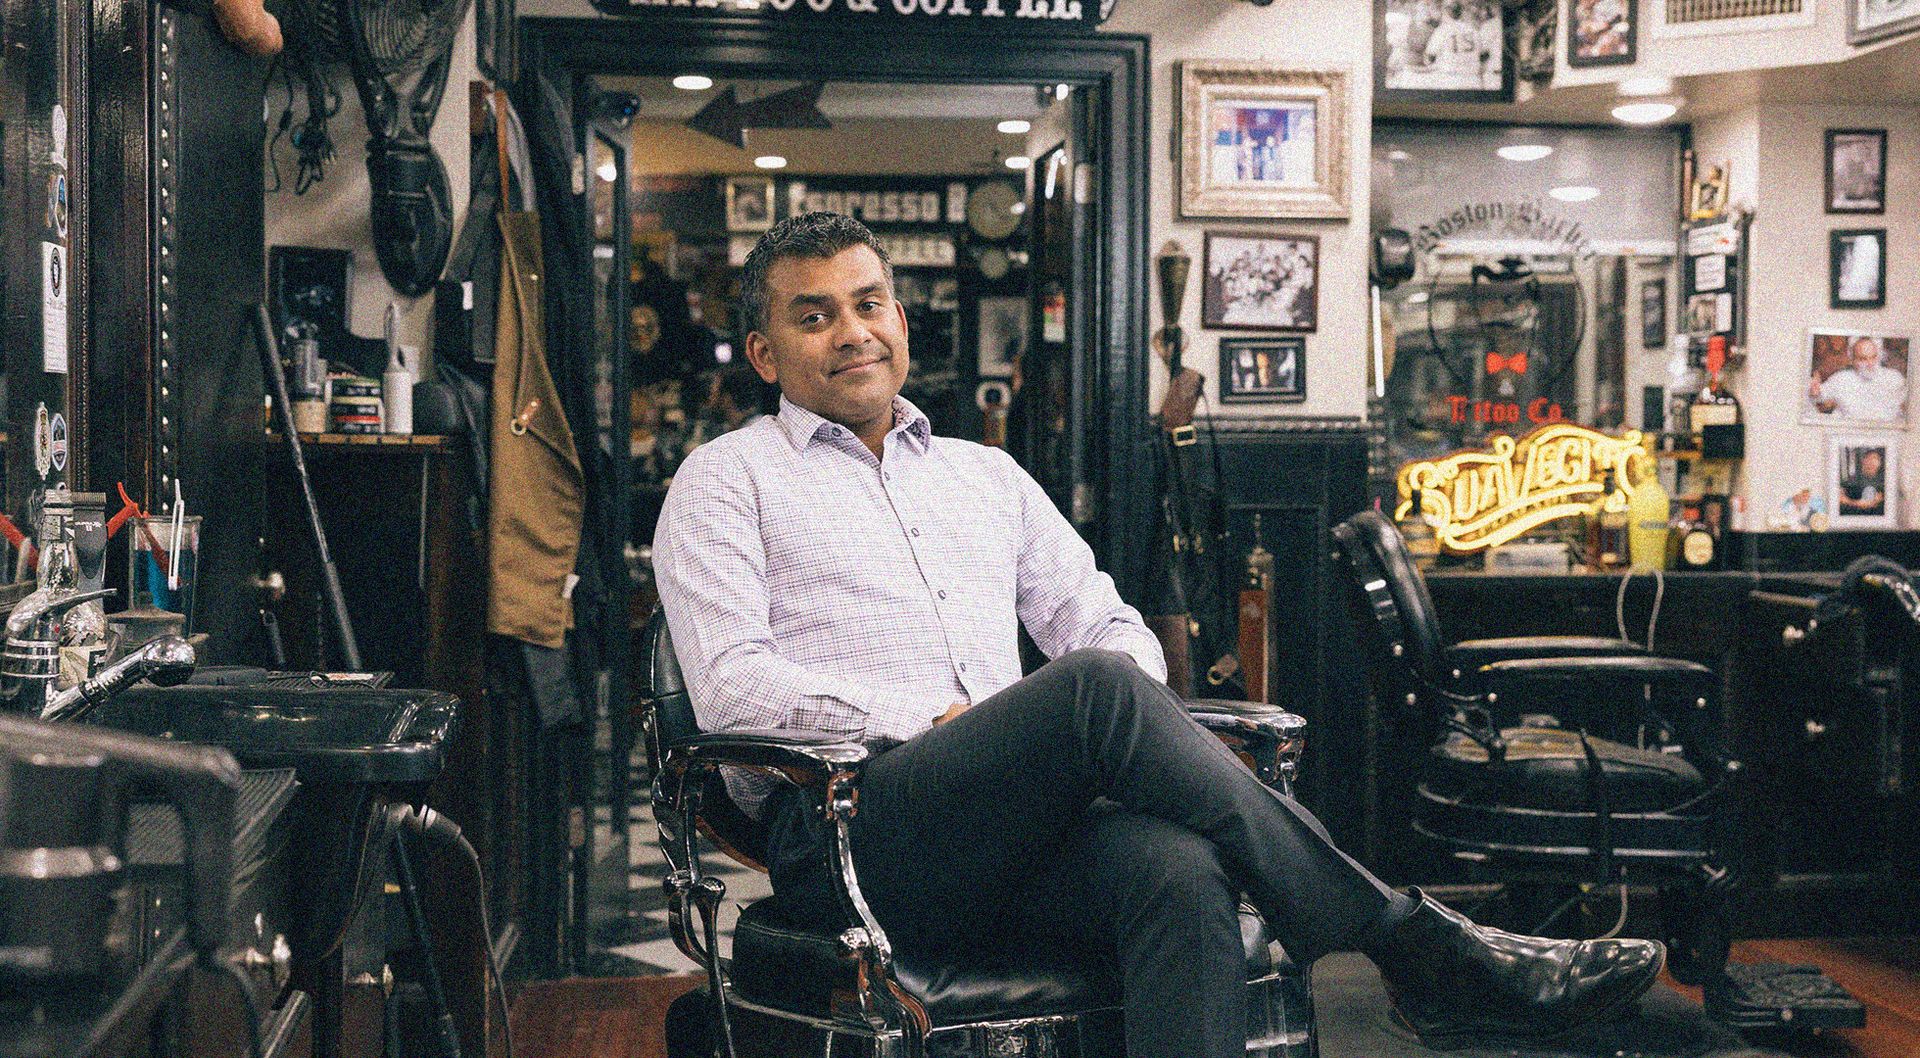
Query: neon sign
x=1476 y=500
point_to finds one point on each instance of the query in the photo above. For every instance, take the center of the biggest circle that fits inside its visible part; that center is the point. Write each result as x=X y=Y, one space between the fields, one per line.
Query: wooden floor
x=622 y=1017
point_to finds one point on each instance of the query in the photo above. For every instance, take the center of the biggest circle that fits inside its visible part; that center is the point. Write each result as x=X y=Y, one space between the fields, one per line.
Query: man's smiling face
x=835 y=340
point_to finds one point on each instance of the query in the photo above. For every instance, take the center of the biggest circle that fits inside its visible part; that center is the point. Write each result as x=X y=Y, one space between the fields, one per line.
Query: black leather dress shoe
x=1456 y=982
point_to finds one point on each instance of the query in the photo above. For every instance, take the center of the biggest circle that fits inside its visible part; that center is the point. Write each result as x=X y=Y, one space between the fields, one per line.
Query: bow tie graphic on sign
x=726 y=119
x=1517 y=363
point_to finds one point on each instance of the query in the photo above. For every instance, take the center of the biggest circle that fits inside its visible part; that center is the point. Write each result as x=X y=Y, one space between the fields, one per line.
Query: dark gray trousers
x=1083 y=807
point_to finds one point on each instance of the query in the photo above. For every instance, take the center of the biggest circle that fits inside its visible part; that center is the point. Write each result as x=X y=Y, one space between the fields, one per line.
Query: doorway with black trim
x=991 y=159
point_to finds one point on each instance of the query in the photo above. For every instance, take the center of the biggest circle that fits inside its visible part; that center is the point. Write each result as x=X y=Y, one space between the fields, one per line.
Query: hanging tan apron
x=537 y=491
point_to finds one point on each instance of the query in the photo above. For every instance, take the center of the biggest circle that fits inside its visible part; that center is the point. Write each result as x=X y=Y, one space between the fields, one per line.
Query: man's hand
x=958 y=708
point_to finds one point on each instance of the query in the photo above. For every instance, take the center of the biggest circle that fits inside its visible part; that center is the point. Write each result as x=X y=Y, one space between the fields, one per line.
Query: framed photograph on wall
x=1856 y=170
x=1259 y=140
x=1857 y=268
x=749 y=203
x=1863 y=481
x=1870 y=20
x=1602 y=32
x=1426 y=51
x=1001 y=334
x=1251 y=281
x=1263 y=369
x=1653 y=313
x=1855 y=378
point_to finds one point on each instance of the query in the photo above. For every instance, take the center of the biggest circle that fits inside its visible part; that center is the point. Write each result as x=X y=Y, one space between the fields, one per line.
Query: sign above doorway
x=1037 y=16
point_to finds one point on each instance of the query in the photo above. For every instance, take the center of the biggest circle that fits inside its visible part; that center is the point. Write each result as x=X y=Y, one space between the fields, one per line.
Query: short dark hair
x=818 y=234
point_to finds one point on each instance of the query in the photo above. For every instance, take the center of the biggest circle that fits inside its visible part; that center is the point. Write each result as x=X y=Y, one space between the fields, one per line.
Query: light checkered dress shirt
x=809 y=584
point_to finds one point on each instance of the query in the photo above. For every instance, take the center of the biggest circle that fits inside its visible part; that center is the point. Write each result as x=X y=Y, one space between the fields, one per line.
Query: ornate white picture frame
x=1263 y=141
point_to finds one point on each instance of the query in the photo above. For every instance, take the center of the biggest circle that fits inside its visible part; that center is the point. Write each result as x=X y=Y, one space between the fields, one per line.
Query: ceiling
x=894 y=129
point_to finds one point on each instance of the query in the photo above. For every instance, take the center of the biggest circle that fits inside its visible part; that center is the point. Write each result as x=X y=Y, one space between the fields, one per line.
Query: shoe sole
x=1455 y=1040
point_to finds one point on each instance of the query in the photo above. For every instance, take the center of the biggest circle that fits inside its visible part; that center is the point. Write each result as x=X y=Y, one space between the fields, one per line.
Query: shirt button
x=915 y=530
x=963 y=666
x=943 y=593
x=884 y=476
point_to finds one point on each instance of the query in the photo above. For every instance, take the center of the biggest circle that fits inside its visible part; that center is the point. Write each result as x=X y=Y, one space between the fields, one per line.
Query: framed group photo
x=1856 y=170
x=1259 y=140
x=1855 y=378
x=1441 y=51
x=749 y=203
x=1863 y=475
x=1601 y=32
x=1857 y=268
x=1257 y=282
x=1263 y=369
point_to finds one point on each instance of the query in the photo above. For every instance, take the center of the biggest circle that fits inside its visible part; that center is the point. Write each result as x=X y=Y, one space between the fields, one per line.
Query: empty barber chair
x=794 y=986
x=1554 y=761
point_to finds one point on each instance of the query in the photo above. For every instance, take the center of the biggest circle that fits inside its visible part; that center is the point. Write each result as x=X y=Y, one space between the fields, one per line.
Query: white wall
x=335 y=213
x=1789 y=290
x=1304 y=32
x=1824 y=41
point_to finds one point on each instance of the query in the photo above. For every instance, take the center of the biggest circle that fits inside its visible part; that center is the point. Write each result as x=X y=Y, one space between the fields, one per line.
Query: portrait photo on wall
x=1601 y=32
x=1855 y=378
x=1856 y=170
x=1260 y=140
x=1863 y=475
x=749 y=203
x=1653 y=313
x=1260 y=282
x=1441 y=50
x=1870 y=20
x=1263 y=369
x=1002 y=334
x=1856 y=268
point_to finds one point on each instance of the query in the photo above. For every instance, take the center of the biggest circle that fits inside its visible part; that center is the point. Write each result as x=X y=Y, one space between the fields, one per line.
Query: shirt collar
x=802 y=426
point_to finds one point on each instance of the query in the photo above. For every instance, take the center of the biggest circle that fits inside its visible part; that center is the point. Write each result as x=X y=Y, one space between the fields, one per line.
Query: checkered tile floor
x=635 y=940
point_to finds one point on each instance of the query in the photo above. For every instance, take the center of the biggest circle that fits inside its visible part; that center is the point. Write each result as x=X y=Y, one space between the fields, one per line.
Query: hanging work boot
x=1456 y=982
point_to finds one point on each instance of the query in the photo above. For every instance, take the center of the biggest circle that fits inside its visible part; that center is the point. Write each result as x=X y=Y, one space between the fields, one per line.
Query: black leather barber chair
x=795 y=986
x=1558 y=762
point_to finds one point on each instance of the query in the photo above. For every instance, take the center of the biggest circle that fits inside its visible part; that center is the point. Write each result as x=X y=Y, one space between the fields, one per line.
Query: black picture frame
x=1285 y=368
x=1213 y=291
x=1390 y=50
x=1653 y=313
x=1575 y=39
x=1879 y=202
x=1839 y=242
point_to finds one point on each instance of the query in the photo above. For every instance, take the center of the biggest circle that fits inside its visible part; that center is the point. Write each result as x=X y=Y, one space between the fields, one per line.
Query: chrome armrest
x=827 y=768
x=1267 y=739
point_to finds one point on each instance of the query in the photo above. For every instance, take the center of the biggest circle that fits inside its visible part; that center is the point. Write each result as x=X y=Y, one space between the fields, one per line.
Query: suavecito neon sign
x=1480 y=499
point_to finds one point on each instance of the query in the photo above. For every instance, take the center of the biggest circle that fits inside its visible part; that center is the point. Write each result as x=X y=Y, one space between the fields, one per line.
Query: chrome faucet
x=166 y=661
x=30 y=664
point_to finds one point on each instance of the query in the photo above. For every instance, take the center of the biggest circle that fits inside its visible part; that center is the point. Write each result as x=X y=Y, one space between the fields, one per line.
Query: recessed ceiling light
x=1646 y=113
x=1646 y=86
x=1015 y=126
x=607 y=171
x=1524 y=152
x=1062 y=91
x=1017 y=208
x=1019 y=161
x=1575 y=193
x=693 y=82
x=770 y=161
x=1398 y=155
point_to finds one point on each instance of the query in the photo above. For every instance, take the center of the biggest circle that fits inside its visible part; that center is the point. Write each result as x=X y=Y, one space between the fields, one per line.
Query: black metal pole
x=329 y=573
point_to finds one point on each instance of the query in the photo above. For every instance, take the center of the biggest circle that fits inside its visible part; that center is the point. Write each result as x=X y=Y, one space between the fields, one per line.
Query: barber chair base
x=1780 y=996
x=1279 y=1025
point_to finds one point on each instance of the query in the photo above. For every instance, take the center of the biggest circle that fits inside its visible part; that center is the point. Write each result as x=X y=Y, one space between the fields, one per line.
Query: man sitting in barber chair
x=837 y=567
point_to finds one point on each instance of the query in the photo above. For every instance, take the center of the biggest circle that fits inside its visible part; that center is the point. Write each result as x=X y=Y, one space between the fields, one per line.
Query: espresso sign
x=1029 y=14
x=1476 y=499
